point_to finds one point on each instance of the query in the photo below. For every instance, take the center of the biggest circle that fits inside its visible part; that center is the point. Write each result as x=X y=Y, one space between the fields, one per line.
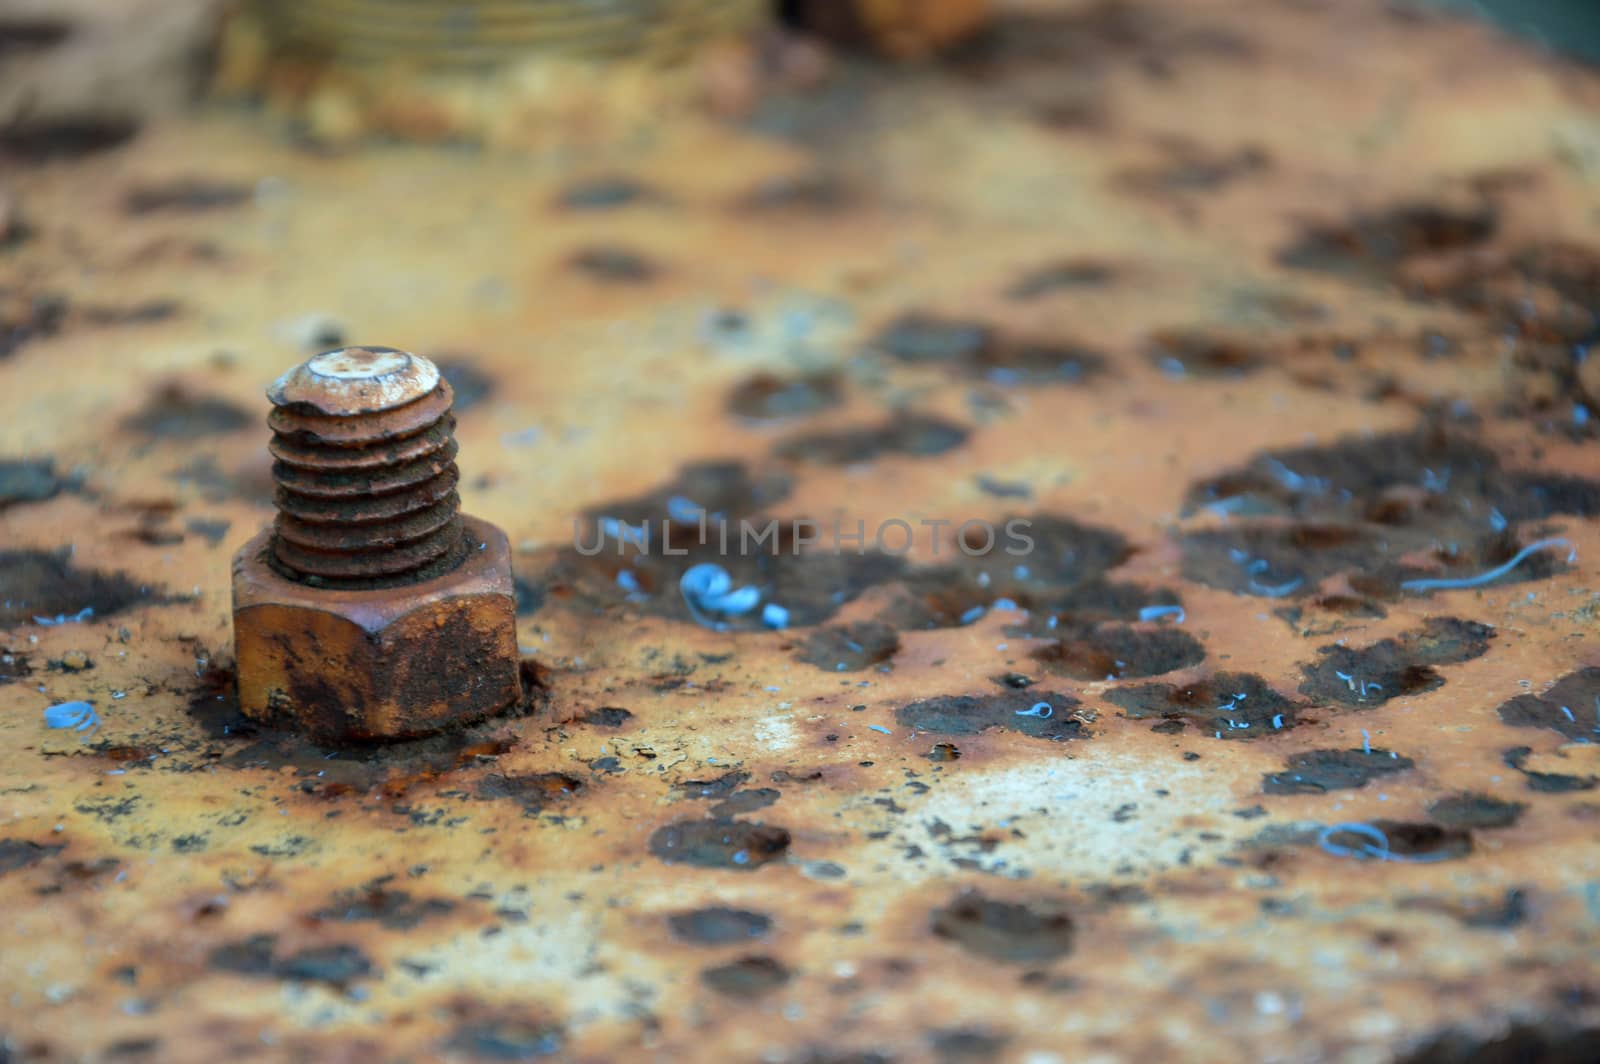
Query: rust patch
x=27 y=316
x=1467 y=811
x=506 y=1036
x=1189 y=168
x=606 y=193
x=719 y=926
x=979 y=350
x=967 y=1045
x=1377 y=242
x=769 y=397
x=1065 y=276
x=747 y=977
x=42 y=141
x=1227 y=705
x=1043 y=715
x=14 y=667
x=175 y=413
x=606 y=717
x=20 y=853
x=36 y=583
x=812 y=191
x=30 y=480
x=470 y=386
x=21 y=34
x=1320 y=771
x=1500 y=913
x=614 y=264
x=1203 y=354
x=534 y=792
x=1544 y=782
x=1117 y=651
x=1420 y=841
x=913 y=435
x=1571 y=707
x=1012 y=932
x=1379 y=512
x=336 y=965
x=919 y=337
x=740 y=845
x=1394 y=667
x=186 y=194
x=1556 y=1040
x=376 y=902
x=850 y=647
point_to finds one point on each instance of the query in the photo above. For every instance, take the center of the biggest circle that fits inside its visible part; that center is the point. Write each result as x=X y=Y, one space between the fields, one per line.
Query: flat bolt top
x=356 y=380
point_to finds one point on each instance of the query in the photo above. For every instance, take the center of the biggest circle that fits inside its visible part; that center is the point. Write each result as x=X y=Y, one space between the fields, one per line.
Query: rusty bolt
x=372 y=608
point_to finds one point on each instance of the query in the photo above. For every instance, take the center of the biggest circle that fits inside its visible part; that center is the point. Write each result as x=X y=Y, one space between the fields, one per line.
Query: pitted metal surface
x=1280 y=744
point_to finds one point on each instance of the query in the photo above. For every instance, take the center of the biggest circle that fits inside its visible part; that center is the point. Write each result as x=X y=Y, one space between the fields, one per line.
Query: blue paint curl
x=1152 y=613
x=709 y=593
x=79 y=716
x=1376 y=846
x=1455 y=583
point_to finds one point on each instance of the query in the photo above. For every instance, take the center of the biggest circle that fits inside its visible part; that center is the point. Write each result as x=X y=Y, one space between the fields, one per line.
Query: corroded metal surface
x=1270 y=311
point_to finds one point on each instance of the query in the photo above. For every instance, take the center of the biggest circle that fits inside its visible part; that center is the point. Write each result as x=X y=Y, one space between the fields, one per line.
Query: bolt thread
x=366 y=500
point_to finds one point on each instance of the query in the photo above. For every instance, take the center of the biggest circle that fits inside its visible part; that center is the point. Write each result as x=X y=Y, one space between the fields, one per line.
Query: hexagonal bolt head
x=358 y=665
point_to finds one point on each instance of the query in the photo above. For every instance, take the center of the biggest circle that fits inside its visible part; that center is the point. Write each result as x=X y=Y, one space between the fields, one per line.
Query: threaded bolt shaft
x=364 y=448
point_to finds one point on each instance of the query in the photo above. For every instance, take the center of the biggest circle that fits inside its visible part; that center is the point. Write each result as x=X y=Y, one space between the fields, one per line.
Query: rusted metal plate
x=1273 y=311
